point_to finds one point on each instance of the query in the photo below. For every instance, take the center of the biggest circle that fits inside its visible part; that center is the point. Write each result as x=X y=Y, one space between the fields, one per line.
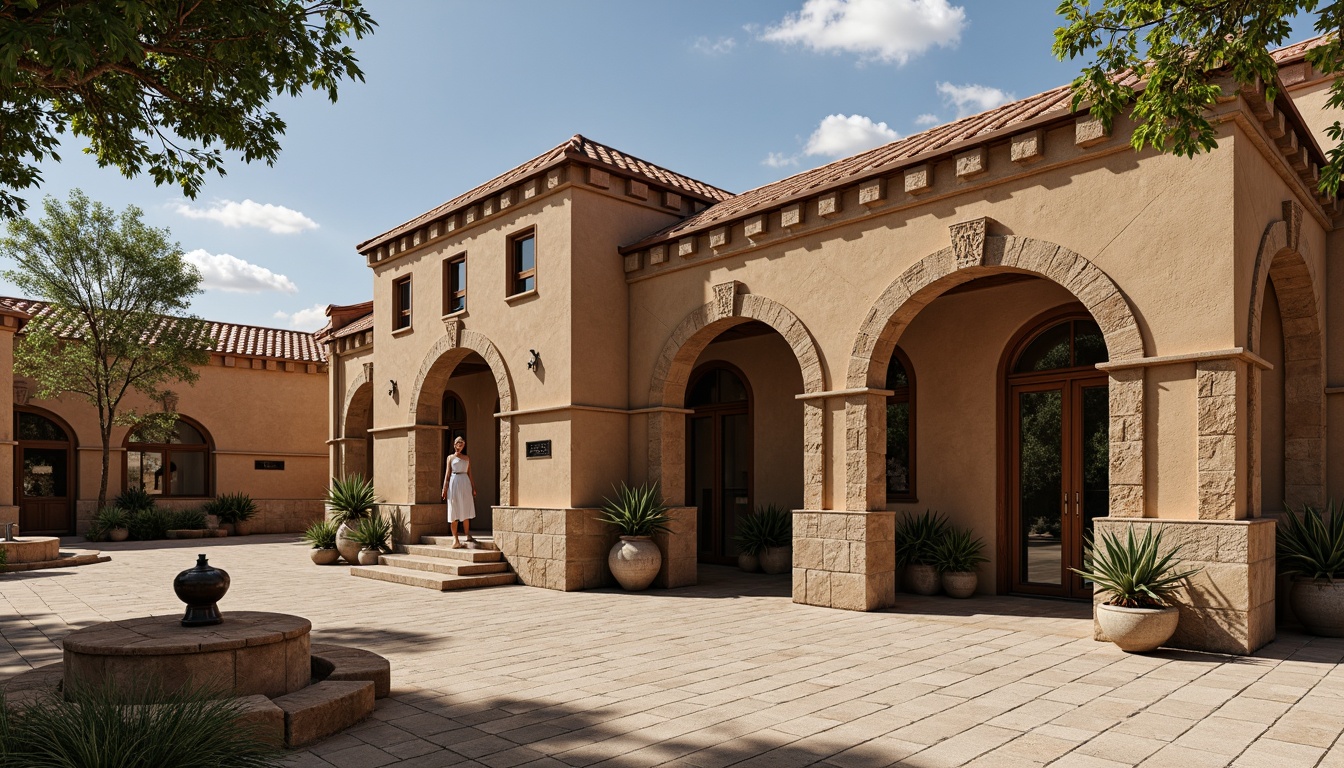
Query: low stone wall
x=844 y=559
x=273 y=515
x=1228 y=607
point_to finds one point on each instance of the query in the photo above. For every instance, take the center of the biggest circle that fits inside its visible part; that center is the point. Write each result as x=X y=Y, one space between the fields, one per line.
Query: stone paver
x=729 y=673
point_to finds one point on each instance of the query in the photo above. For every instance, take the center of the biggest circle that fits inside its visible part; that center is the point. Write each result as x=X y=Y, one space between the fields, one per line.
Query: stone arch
x=974 y=253
x=437 y=366
x=1280 y=260
x=672 y=371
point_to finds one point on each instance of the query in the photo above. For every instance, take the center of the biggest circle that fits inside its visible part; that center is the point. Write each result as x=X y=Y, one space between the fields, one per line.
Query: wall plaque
x=268 y=464
x=539 y=449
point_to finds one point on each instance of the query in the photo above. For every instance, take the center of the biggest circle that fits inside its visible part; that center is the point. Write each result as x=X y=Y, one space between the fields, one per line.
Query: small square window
x=523 y=272
x=455 y=284
x=401 y=303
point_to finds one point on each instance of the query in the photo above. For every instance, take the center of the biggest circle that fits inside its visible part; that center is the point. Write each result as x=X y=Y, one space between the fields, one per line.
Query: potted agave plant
x=1137 y=615
x=764 y=540
x=637 y=514
x=956 y=558
x=917 y=540
x=1311 y=552
x=750 y=540
x=373 y=534
x=111 y=523
x=349 y=500
x=322 y=536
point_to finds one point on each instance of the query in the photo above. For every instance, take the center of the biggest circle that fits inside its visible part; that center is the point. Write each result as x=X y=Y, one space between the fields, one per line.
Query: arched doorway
x=44 y=472
x=357 y=440
x=179 y=465
x=718 y=457
x=453 y=415
x=1058 y=423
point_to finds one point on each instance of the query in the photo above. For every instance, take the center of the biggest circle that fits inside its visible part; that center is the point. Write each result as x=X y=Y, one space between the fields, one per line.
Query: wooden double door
x=44 y=465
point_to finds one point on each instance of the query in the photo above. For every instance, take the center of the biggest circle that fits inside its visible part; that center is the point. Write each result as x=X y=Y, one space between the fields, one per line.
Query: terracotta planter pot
x=635 y=561
x=118 y=534
x=1319 y=605
x=1137 y=630
x=349 y=548
x=748 y=563
x=777 y=559
x=325 y=556
x=243 y=527
x=922 y=579
x=960 y=584
x=369 y=556
x=228 y=529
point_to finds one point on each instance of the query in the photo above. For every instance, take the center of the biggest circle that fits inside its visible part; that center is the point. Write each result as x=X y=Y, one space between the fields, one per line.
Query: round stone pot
x=960 y=584
x=922 y=579
x=777 y=559
x=118 y=534
x=349 y=548
x=1137 y=630
x=635 y=561
x=368 y=556
x=1319 y=605
x=228 y=529
x=242 y=527
x=748 y=563
x=325 y=556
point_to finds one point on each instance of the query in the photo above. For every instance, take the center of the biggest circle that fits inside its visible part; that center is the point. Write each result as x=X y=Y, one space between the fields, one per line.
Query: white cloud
x=229 y=273
x=779 y=160
x=309 y=319
x=842 y=135
x=891 y=31
x=717 y=47
x=927 y=120
x=971 y=98
x=276 y=219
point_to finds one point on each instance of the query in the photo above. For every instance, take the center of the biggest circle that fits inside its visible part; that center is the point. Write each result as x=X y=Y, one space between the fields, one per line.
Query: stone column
x=866 y=450
x=1126 y=391
x=10 y=323
x=844 y=559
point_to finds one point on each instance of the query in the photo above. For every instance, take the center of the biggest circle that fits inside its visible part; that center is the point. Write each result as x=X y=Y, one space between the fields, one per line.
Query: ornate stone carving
x=368 y=371
x=453 y=328
x=1027 y=147
x=919 y=179
x=21 y=391
x=725 y=295
x=968 y=242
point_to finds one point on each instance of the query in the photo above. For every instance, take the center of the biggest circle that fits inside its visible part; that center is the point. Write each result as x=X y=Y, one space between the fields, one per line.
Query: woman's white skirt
x=461 y=504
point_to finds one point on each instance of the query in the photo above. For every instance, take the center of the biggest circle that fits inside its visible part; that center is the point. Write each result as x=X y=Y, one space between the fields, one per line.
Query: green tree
x=161 y=85
x=117 y=294
x=1181 y=48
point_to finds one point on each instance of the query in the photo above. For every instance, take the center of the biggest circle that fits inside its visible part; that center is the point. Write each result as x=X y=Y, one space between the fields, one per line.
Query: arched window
x=900 y=428
x=1075 y=343
x=178 y=467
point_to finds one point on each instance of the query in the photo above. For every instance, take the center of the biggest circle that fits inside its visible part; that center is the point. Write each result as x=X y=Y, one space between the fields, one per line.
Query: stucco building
x=252 y=423
x=1014 y=319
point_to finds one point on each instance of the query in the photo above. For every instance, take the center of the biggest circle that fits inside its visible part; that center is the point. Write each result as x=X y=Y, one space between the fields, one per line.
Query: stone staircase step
x=482 y=542
x=442 y=565
x=429 y=580
x=464 y=555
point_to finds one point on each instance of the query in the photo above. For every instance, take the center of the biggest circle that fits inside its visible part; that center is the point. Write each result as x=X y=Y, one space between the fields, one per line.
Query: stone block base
x=1228 y=607
x=844 y=559
x=273 y=515
x=678 y=548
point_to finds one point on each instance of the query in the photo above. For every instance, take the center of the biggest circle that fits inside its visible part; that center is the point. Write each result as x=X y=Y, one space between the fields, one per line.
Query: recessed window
x=455 y=284
x=401 y=303
x=178 y=467
x=523 y=263
x=900 y=429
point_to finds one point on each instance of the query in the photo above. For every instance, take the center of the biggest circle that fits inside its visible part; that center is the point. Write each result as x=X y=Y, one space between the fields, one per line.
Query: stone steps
x=441 y=582
x=482 y=542
x=443 y=565
x=433 y=564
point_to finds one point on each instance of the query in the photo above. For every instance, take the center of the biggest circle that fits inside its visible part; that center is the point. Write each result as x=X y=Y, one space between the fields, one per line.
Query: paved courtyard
x=727 y=673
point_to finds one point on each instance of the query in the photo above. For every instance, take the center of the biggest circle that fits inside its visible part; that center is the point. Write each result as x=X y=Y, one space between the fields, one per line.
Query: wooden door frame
x=716 y=413
x=71 y=463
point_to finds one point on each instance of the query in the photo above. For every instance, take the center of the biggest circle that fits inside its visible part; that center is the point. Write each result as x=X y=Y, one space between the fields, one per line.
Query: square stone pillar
x=10 y=323
x=1224 y=462
x=866 y=451
x=680 y=565
x=844 y=559
x=1228 y=607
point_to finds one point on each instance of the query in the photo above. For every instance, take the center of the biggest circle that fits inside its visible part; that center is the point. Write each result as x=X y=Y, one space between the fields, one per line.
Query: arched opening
x=719 y=457
x=901 y=451
x=176 y=465
x=45 y=472
x=357 y=445
x=453 y=419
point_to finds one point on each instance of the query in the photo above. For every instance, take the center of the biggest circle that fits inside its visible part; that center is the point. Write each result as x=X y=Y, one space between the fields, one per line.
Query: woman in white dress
x=459 y=490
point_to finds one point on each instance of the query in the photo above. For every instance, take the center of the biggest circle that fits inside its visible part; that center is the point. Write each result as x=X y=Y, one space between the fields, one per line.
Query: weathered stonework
x=658 y=254
x=672 y=200
x=791 y=216
x=972 y=163
x=1027 y=147
x=1125 y=391
x=829 y=204
x=755 y=226
x=725 y=297
x=686 y=247
x=1089 y=131
x=637 y=189
x=844 y=559
x=968 y=242
x=919 y=179
x=1228 y=607
x=1219 y=382
x=872 y=191
x=719 y=237
x=599 y=178
x=632 y=262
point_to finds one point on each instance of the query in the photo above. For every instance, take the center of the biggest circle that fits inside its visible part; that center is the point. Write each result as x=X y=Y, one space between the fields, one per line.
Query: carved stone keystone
x=968 y=242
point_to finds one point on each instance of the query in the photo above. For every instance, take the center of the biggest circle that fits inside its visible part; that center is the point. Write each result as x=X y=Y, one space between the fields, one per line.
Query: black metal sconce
x=392 y=388
x=535 y=362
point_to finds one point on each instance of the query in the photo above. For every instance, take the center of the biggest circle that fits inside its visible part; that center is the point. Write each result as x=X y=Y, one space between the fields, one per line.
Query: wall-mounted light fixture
x=535 y=362
x=391 y=387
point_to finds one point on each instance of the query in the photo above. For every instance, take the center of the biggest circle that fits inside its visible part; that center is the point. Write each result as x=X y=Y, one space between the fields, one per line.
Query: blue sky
x=737 y=94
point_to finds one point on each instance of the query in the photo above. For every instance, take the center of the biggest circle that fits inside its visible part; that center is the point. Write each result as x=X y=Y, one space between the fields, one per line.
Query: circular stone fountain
x=33 y=549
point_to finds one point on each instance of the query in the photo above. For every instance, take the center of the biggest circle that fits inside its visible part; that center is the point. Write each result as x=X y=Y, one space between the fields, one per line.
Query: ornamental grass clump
x=768 y=526
x=1133 y=572
x=1311 y=545
x=958 y=552
x=637 y=511
x=917 y=538
x=134 y=501
x=321 y=535
x=105 y=521
x=149 y=524
x=351 y=499
x=231 y=508
x=186 y=519
x=373 y=532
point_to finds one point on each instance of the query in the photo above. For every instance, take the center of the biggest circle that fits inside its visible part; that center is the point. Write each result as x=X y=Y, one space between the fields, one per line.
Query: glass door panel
x=1039 y=427
x=736 y=431
x=700 y=438
x=1092 y=480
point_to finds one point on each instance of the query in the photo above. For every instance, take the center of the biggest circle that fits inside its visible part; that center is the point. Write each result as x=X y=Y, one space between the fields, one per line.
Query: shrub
x=372 y=532
x=767 y=526
x=1132 y=572
x=187 y=519
x=1310 y=544
x=321 y=535
x=350 y=499
x=917 y=538
x=94 y=729
x=105 y=520
x=150 y=524
x=958 y=552
x=231 y=508
x=134 y=501
x=637 y=511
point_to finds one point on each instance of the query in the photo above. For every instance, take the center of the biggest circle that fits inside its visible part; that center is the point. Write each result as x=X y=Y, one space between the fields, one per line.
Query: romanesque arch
x=437 y=366
x=975 y=253
x=356 y=420
x=671 y=372
x=1280 y=260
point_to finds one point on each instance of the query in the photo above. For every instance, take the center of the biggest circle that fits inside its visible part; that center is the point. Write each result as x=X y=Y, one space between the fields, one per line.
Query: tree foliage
x=118 y=292
x=1180 y=49
x=162 y=86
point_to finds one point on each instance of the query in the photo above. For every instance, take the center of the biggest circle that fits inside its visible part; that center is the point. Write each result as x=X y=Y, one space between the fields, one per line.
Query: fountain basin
x=31 y=549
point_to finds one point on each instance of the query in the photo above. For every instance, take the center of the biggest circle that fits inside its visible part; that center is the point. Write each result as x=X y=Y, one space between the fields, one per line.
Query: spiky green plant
x=768 y=526
x=231 y=508
x=104 y=520
x=372 y=532
x=186 y=519
x=637 y=511
x=958 y=552
x=150 y=524
x=1310 y=544
x=321 y=535
x=917 y=537
x=134 y=500
x=4 y=566
x=1134 y=573
x=350 y=499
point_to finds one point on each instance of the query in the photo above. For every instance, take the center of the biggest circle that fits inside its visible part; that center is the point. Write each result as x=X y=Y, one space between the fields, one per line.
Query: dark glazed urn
x=201 y=588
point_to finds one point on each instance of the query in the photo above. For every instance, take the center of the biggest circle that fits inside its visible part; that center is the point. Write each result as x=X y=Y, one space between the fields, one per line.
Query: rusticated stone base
x=678 y=546
x=1228 y=607
x=844 y=559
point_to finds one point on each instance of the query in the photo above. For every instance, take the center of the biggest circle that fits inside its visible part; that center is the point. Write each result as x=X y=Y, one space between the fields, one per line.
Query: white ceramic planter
x=1137 y=630
x=348 y=547
x=635 y=561
x=748 y=563
x=960 y=584
x=777 y=560
x=922 y=579
x=325 y=556
x=1319 y=605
